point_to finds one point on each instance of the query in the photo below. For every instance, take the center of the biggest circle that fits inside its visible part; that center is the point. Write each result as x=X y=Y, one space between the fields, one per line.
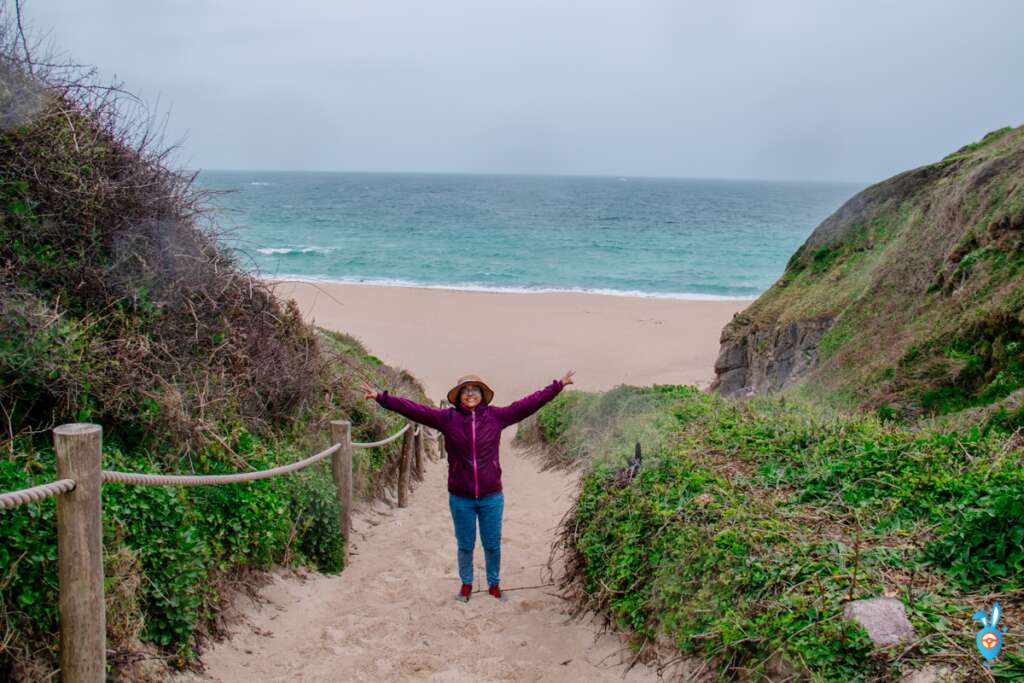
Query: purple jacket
x=472 y=436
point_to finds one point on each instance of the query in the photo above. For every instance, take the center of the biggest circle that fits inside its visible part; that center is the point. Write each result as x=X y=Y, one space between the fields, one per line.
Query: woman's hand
x=370 y=391
x=567 y=379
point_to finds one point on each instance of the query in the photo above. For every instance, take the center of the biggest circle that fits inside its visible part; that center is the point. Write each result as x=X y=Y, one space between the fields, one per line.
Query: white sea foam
x=295 y=250
x=256 y=182
x=470 y=287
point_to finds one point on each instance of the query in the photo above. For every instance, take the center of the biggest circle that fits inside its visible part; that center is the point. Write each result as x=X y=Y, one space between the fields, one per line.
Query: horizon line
x=538 y=175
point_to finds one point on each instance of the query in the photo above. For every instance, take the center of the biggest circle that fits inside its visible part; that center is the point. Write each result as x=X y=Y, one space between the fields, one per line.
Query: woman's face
x=470 y=396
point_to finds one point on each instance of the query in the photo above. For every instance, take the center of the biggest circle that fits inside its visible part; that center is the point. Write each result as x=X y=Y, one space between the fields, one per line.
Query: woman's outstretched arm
x=417 y=412
x=528 y=405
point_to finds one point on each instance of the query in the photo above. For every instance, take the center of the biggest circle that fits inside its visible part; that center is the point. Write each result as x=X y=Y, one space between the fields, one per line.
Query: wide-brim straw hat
x=453 y=393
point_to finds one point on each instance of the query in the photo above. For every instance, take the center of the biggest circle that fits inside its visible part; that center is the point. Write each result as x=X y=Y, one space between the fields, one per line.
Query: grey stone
x=930 y=674
x=732 y=382
x=730 y=358
x=756 y=360
x=885 y=620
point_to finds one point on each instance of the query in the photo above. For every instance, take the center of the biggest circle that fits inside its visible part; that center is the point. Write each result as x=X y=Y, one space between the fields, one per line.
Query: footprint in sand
x=528 y=605
x=419 y=664
x=341 y=649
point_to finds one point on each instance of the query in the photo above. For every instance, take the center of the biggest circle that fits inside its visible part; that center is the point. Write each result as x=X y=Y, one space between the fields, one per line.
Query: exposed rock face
x=758 y=361
x=885 y=620
x=910 y=296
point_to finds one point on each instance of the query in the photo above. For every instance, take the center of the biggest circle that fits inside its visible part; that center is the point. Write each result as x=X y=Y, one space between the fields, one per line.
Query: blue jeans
x=464 y=514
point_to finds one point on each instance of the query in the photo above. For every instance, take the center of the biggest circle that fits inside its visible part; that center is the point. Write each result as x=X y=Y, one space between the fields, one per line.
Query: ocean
x=658 y=237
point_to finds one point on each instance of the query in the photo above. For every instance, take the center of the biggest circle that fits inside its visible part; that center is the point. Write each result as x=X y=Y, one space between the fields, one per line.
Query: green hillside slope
x=887 y=464
x=748 y=526
x=908 y=299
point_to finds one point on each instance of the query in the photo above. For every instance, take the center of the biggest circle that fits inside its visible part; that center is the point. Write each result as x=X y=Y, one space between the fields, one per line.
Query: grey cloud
x=786 y=89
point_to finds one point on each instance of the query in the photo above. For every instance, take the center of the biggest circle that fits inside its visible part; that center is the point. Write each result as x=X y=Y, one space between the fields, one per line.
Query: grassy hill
x=864 y=441
x=119 y=306
x=750 y=524
x=908 y=300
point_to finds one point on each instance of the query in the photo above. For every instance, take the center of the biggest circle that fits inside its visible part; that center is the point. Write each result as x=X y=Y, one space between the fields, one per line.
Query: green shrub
x=28 y=554
x=755 y=521
x=982 y=546
x=555 y=417
x=183 y=538
x=246 y=524
x=314 y=509
x=822 y=259
x=156 y=523
x=1007 y=420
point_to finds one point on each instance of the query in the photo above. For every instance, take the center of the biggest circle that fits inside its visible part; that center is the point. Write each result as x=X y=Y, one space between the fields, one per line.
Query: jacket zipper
x=476 y=483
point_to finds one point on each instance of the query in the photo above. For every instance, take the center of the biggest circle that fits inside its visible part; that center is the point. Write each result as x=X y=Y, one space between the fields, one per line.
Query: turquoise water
x=636 y=236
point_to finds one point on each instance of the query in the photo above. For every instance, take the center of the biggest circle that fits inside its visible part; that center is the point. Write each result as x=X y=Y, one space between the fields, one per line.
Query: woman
x=472 y=431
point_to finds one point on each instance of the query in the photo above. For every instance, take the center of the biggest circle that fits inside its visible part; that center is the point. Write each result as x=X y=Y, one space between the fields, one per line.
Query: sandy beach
x=390 y=615
x=519 y=342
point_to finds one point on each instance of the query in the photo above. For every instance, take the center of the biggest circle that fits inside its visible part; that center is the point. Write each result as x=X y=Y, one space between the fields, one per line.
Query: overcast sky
x=771 y=89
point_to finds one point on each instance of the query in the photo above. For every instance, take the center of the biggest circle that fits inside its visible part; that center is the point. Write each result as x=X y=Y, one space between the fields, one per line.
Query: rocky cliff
x=761 y=360
x=908 y=299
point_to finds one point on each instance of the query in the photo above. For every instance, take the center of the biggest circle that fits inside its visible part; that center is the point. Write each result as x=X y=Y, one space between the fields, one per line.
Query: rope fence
x=78 y=490
x=388 y=440
x=16 y=498
x=432 y=433
x=13 y=499
x=213 y=479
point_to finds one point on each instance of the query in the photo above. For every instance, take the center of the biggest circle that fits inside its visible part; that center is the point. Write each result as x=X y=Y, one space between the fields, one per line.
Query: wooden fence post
x=428 y=450
x=419 y=445
x=442 y=450
x=403 y=468
x=341 y=469
x=83 y=628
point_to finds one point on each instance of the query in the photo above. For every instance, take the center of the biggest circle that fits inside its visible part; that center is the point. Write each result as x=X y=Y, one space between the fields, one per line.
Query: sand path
x=391 y=616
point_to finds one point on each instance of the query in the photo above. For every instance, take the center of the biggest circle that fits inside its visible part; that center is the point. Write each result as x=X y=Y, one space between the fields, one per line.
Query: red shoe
x=496 y=592
x=464 y=592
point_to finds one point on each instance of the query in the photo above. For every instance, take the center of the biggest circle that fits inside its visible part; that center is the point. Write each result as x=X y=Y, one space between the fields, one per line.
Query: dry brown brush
x=118 y=303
